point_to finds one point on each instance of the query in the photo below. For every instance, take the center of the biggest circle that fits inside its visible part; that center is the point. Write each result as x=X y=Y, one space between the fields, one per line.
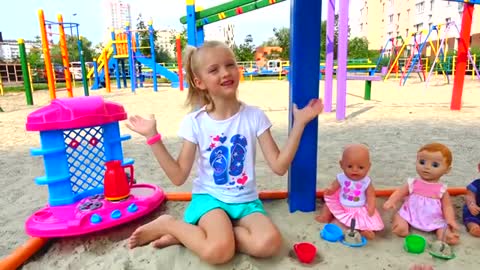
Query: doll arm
x=334 y=186
x=448 y=211
x=371 y=200
x=471 y=203
x=396 y=196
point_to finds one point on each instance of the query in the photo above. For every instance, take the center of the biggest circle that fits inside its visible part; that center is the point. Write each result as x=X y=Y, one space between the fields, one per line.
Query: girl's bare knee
x=267 y=245
x=218 y=252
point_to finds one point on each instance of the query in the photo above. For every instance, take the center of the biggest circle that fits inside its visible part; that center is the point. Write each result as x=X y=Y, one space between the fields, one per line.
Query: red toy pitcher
x=116 y=185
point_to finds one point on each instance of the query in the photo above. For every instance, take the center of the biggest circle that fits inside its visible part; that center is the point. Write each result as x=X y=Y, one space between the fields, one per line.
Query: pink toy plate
x=94 y=213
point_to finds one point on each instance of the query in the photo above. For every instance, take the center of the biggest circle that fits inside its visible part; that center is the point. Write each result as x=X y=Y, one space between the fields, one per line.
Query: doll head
x=433 y=161
x=355 y=161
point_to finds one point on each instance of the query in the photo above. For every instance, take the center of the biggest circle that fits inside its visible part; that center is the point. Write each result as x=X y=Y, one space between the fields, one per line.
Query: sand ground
x=394 y=124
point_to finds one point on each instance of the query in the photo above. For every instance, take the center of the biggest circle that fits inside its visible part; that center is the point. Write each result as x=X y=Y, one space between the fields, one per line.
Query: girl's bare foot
x=473 y=229
x=149 y=232
x=368 y=234
x=165 y=241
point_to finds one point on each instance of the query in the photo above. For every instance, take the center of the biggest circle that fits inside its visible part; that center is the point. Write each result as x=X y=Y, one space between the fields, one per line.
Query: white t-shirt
x=352 y=192
x=226 y=161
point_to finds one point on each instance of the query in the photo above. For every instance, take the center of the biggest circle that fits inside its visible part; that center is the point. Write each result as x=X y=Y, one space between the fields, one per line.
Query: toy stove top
x=94 y=213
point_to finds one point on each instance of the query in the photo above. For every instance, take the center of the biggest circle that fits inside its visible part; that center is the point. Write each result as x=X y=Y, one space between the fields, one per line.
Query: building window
x=406 y=32
x=430 y=26
x=361 y=27
x=390 y=18
x=398 y=17
x=447 y=20
x=420 y=7
x=431 y=4
x=419 y=26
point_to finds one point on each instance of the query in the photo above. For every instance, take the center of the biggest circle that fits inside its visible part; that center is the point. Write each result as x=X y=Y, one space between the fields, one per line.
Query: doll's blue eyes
x=434 y=164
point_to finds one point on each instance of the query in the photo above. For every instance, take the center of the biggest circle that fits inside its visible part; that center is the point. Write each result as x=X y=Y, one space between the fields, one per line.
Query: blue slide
x=161 y=70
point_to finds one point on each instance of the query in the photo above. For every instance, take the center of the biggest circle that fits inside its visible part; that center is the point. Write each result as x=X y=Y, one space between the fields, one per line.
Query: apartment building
x=164 y=38
x=116 y=14
x=384 y=19
x=9 y=50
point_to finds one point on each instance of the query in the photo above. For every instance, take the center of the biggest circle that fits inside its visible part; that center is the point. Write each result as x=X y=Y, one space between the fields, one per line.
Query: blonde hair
x=438 y=147
x=197 y=97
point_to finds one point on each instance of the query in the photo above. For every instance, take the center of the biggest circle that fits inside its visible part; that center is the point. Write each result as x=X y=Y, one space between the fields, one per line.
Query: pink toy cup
x=305 y=252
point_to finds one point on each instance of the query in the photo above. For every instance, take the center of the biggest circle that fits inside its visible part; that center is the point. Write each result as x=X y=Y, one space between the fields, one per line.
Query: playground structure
x=440 y=55
x=44 y=25
x=418 y=44
x=125 y=46
x=463 y=48
x=342 y=67
x=391 y=49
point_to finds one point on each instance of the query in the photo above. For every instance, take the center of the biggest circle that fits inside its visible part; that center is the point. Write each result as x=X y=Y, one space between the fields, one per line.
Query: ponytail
x=196 y=97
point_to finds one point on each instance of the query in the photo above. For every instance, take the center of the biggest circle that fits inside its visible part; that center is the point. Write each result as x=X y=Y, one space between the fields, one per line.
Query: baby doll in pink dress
x=427 y=205
x=352 y=195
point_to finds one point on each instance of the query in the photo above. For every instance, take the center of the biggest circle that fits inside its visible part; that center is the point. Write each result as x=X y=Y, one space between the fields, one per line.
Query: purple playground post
x=329 y=48
x=342 y=59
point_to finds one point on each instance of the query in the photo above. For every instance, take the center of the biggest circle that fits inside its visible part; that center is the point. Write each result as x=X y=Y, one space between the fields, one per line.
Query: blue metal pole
x=96 y=78
x=200 y=36
x=191 y=21
x=124 y=73
x=117 y=68
x=131 y=59
x=152 y=52
x=304 y=85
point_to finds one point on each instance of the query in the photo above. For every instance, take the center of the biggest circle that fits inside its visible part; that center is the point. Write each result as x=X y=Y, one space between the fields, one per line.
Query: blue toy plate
x=363 y=243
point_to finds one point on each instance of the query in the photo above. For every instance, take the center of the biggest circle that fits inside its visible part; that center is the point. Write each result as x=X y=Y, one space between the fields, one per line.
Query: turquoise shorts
x=203 y=203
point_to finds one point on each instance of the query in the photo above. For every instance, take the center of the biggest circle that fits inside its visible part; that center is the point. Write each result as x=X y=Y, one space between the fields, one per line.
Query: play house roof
x=73 y=113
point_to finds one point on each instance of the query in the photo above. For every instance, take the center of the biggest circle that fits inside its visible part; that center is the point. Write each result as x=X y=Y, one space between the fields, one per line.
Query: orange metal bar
x=46 y=55
x=22 y=253
x=281 y=194
x=65 y=61
x=106 y=71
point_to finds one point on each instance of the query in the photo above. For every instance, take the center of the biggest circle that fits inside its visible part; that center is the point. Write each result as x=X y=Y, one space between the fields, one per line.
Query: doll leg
x=399 y=226
x=370 y=235
x=473 y=229
x=452 y=238
x=325 y=215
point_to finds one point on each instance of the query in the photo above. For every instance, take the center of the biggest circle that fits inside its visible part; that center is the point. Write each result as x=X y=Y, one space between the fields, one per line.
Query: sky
x=20 y=19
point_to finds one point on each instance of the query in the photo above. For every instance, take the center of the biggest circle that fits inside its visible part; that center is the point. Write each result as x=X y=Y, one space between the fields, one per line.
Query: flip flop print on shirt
x=219 y=161
x=227 y=162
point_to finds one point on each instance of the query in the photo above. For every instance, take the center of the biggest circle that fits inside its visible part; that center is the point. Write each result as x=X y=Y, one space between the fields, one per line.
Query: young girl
x=471 y=210
x=427 y=206
x=225 y=213
x=352 y=195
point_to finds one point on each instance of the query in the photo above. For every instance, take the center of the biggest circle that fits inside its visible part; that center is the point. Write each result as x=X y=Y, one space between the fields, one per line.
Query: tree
x=162 y=55
x=73 y=53
x=323 y=34
x=35 y=54
x=144 y=36
x=246 y=50
x=358 y=48
x=183 y=41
